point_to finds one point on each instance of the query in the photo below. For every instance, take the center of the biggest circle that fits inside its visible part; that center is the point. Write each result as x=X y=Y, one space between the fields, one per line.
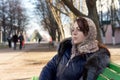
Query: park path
x=23 y=64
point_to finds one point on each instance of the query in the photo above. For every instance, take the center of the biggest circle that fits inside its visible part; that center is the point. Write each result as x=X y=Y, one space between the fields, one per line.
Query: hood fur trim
x=90 y=44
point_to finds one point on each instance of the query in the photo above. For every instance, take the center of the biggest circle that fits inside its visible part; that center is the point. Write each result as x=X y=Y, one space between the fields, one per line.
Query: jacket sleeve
x=49 y=71
x=96 y=64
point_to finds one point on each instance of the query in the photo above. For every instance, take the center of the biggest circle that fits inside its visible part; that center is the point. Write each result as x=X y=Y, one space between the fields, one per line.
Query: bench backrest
x=110 y=73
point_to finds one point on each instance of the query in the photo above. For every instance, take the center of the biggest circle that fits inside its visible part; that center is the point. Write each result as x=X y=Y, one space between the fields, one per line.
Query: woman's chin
x=75 y=42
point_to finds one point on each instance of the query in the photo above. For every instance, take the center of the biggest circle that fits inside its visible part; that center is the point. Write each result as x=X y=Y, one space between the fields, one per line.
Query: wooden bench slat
x=115 y=67
x=35 y=78
x=111 y=74
x=102 y=77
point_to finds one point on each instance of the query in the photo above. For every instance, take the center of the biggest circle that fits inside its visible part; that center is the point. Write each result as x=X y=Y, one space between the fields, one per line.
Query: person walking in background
x=21 y=40
x=39 y=38
x=81 y=57
x=15 y=40
x=9 y=39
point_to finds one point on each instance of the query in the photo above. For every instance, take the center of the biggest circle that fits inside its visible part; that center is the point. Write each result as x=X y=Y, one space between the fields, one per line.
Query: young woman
x=80 y=57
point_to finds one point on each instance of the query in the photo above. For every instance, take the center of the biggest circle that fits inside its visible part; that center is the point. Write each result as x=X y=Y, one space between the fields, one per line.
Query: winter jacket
x=15 y=38
x=82 y=67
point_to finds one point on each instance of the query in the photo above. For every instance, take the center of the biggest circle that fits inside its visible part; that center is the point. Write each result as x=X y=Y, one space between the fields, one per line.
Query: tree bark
x=72 y=8
x=92 y=13
x=56 y=15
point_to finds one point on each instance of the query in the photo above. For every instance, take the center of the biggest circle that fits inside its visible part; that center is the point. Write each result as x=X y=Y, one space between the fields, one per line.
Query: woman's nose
x=74 y=32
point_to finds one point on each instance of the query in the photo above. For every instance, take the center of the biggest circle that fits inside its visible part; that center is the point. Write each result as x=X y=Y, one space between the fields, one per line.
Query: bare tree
x=57 y=17
x=48 y=20
x=3 y=17
x=12 y=17
x=20 y=19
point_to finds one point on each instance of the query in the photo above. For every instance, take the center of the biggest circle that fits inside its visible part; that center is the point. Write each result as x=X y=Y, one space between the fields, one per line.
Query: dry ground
x=22 y=65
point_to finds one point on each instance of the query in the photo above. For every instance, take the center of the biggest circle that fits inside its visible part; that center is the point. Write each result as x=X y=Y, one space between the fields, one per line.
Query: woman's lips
x=74 y=38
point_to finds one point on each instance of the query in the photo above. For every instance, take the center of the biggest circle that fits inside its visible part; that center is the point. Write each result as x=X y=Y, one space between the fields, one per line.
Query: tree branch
x=58 y=9
x=72 y=8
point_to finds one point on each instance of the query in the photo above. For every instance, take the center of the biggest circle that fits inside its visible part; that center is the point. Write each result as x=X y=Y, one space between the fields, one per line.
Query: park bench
x=110 y=73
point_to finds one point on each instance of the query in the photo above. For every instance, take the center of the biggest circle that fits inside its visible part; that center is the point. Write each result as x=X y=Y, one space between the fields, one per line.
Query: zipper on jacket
x=65 y=67
x=68 y=63
x=72 y=56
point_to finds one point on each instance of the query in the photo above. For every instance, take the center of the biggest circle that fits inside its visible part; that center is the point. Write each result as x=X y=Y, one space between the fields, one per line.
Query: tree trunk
x=72 y=8
x=56 y=15
x=92 y=13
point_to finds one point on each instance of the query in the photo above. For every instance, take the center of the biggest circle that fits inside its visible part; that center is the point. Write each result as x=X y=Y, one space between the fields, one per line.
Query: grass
x=3 y=46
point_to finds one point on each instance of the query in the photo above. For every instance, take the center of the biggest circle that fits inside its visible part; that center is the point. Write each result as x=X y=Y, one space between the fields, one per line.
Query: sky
x=33 y=23
x=28 y=4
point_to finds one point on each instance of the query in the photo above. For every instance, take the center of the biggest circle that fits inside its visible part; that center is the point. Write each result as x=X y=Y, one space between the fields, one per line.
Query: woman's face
x=77 y=35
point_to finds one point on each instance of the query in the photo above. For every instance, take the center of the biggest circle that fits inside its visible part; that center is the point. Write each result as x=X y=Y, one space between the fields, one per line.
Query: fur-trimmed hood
x=67 y=43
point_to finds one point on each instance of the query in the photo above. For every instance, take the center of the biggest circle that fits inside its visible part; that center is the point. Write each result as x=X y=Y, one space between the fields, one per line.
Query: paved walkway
x=115 y=53
x=23 y=64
